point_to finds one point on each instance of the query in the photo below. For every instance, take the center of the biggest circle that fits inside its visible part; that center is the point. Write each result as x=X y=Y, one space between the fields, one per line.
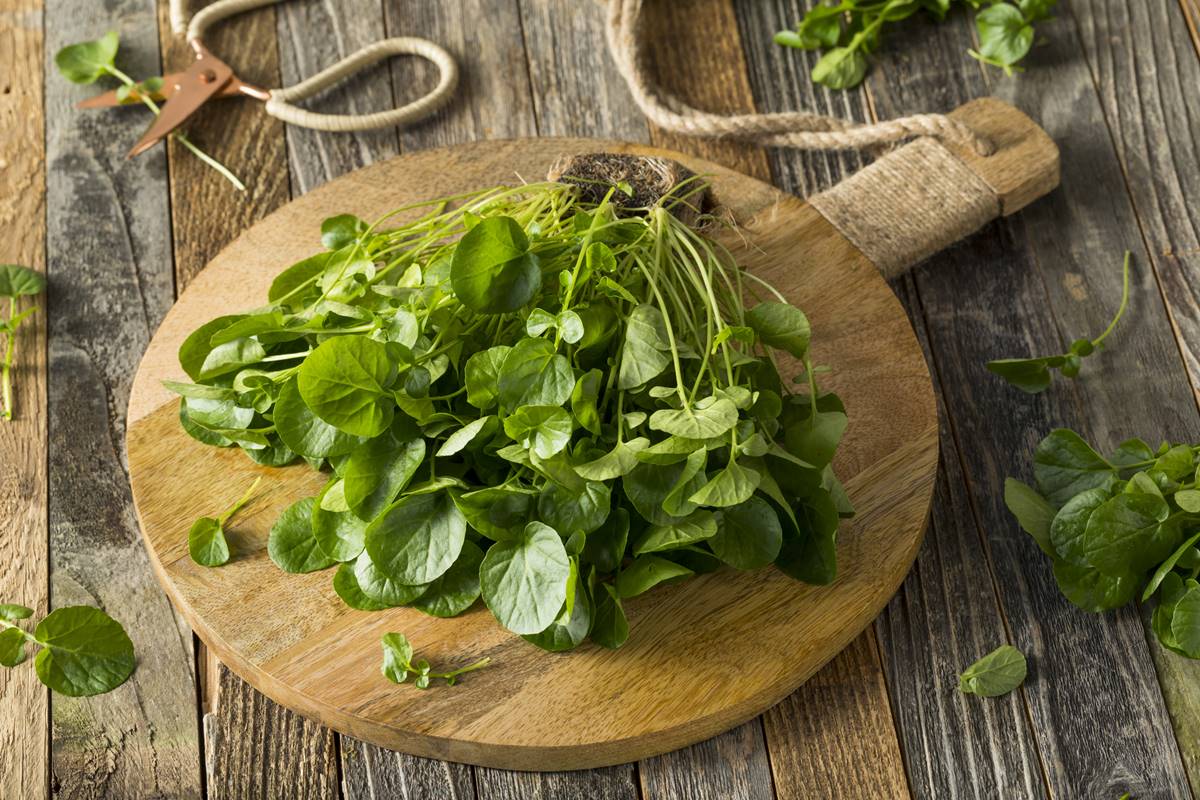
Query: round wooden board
x=703 y=656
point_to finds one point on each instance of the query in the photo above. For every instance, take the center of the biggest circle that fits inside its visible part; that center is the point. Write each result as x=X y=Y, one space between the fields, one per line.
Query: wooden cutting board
x=702 y=657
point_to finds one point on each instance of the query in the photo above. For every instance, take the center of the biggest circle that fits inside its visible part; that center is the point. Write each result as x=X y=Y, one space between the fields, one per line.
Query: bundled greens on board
x=531 y=394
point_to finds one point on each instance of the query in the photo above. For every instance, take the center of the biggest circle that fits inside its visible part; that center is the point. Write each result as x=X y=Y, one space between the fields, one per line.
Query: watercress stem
x=9 y=351
x=240 y=503
x=1121 y=308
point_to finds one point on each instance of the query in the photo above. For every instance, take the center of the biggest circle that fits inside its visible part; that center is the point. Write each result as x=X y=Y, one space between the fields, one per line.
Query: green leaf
x=1004 y=35
x=1065 y=465
x=457 y=588
x=1069 y=528
x=346 y=586
x=498 y=512
x=303 y=431
x=1120 y=534
x=748 y=535
x=342 y=231
x=534 y=374
x=1176 y=463
x=563 y=635
x=1166 y=566
x=344 y=382
x=696 y=527
x=524 y=581
x=493 y=270
x=731 y=486
x=814 y=440
x=382 y=590
x=583 y=400
x=840 y=68
x=206 y=543
x=705 y=420
x=482 y=376
x=1091 y=589
x=1188 y=500
x=1030 y=375
x=997 y=673
x=87 y=62
x=645 y=573
x=397 y=657
x=339 y=533
x=648 y=487
x=457 y=442
x=619 y=461
x=417 y=538
x=12 y=647
x=569 y=511
x=781 y=326
x=811 y=555
x=1185 y=622
x=291 y=543
x=645 y=353
x=545 y=430
x=605 y=547
x=13 y=612
x=16 y=281
x=1033 y=513
x=84 y=652
x=379 y=469
x=610 y=628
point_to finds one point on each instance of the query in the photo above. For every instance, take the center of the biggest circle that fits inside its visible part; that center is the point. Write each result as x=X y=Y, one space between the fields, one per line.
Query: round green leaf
x=417 y=539
x=16 y=281
x=997 y=673
x=381 y=589
x=524 y=581
x=749 y=535
x=206 y=543
x=340 y=534
x=457 y=589
x=492 y=271
x=291 y=544
x=1185 y=622
x=84 y=651
x=534 y=374
x=379 y=469
x=344 y=382
x=303 y=431
x=645 y=573
x=347 y=588
x=546 y=430
x=781 y=326
x=86 y=62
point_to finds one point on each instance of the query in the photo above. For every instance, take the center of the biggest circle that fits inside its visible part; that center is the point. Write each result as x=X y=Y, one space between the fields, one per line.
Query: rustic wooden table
x=1116 y=83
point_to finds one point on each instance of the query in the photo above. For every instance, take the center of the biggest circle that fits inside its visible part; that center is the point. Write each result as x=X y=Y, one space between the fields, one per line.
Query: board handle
x=926 y=195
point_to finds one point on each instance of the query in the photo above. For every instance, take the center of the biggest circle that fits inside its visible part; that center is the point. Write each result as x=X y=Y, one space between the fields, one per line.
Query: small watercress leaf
x=1188 y=500
x=13 y=612
x=1176 y=463
x=619 y=461
x=569 y=511
x=534 y=374
x=714 y=419
x=339 y=533
x=646 y=572
x=1004 y=35
x=379 y=469
x=347 y=588
x=546 y=430
x=497 y=512
x=291 y=544
x=1185 y=622
x=749 y=535
x=733 y=485
x=1121 y=533
x=206 y=543
x=16 y=281
x=811 y=554
x=457 y=442
x=997 y=673
x=84 y=651
x=457 y=588
x=1030 y=375
x=696 y=527
x=482 y=376
x=583 y=400
x=524 y=580
x=87 y=62
x=493 y=270
x=1069 y=528
x=1033 y=513
x=565 y=634
x=397 y=657
x=840 y=68
x=303 y=431
x=610 y=627
x=1091 y=589
x=342 y=231
x=781 y=326
x=645 y=352
x=1167 y=565
x=12 y=647
x=381 y=589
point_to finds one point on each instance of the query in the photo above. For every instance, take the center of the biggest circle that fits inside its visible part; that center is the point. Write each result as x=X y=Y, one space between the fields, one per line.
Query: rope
x=279 y=104
x=790 y=129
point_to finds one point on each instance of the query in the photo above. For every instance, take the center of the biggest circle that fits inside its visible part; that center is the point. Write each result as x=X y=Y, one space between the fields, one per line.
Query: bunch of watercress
x=83 y=650
x=525 y=395
x=87 y=62
x=15 y=281
x=847 y=31
x=1118 y=526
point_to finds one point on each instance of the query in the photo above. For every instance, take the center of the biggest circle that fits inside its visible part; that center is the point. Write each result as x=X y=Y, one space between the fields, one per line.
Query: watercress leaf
x=616 y=463
x=1121 y=534
x=482 y=375
x=1185 y=622
x=16 y=281
x=749 y=535
x=339 y=533
x=84 y=651
x=566 y=634
x=1065 y=465
x=811 y=554
x=417 y=538
x=570 y=512
x=714 y=419
x=646 y=572
x=497 y=512
x=346 y=586
x=457 y=588
x=12 y=647
x=13 y=612
x=534 y=374
x=696 y=527
x=457 y=442
x=539 y=321
x=1004 y=35
x=678 y=501
x=493 y=270
x=1030 y=375
x=1091 y=589
x=815 y=439
x=645 y=352
x=649 y=485
x=781 y=326
x=1167 y=565
x=733 y=485
x=303 y=431
x=545 y=430
x=524 y=580
x=379 y=469
x=341 y=231
x=87 y=62
x=1131 y=451
x=570 y=325
x=1176 y=463
x=230 y=357
x=287 y=285
x=344 y=380
x=583 y=400
x=840 y=68
x=381 y=589
x=997 y=673
x=1069 y=527
x=610 y=628
x=291 y=544
x=1033 y=513
x=1188 y=500
x=397 y=657
x=206 y=543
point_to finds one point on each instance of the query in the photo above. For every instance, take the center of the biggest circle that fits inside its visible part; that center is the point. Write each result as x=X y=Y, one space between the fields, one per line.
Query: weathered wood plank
x=257 y=749
x=1145 y=68
x=110 y=272
x=732 y=766
x=372 y=772
x=24 y=567
x=1100 y=732
x=609 y=783
x=1191 y=13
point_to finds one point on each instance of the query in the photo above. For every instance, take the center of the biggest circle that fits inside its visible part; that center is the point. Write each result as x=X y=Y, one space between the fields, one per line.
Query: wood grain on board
x=24 y=568
x=1025 y=286
x=281 y=649
x=109 y=265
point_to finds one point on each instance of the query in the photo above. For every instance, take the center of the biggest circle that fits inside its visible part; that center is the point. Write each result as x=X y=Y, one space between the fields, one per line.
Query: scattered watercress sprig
x=848 y=31
x=1032 y=375
x=997 y=673
x=206 y=540
x=15 y=281
x=1118 y=525
x=398 y=665
x=551 y=403
x=83 y=650
x=87 y=62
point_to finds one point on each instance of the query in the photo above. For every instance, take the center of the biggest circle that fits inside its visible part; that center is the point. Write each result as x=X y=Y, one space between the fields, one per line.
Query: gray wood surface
x=1104 y=711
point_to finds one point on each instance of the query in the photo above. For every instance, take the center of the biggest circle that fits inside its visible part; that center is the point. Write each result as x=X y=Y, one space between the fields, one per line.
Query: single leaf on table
x=524 y=581
x=206 y=543
x=417 y=538
x=493 y=270
x=13 y=612
x=291 y=543
x=1030 y=375
x=12 y=647
x=87 y=62
x=397 y=655
x=997 y=673
x=16 y=281
x=84 y=651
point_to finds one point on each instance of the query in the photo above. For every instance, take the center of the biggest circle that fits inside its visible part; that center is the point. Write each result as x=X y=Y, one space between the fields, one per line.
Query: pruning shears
x=210 y=78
